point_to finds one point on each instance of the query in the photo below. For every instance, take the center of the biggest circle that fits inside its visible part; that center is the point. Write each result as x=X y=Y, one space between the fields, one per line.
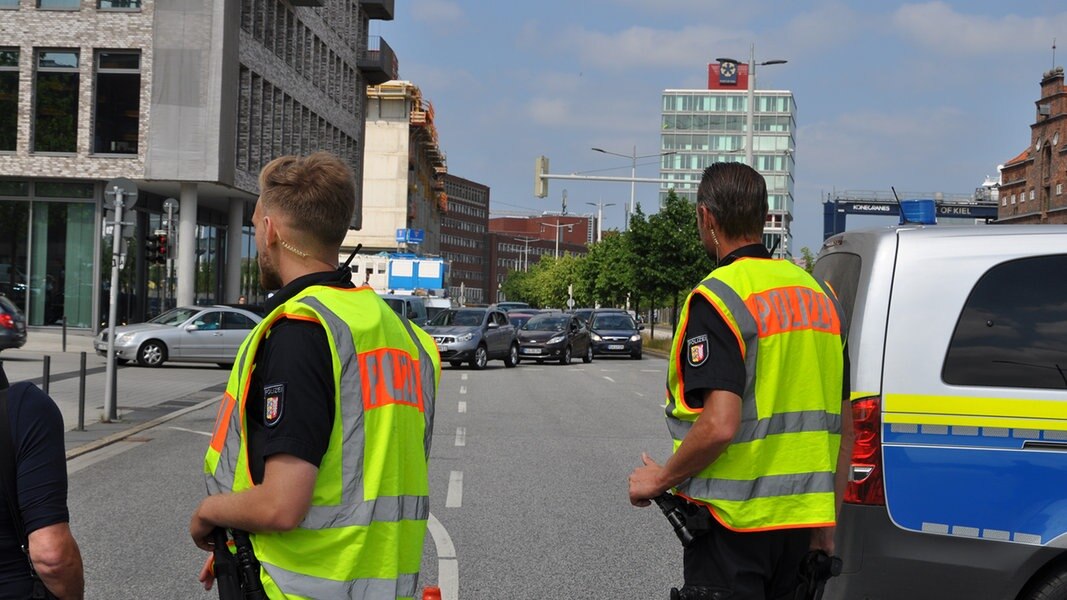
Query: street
x=528 y=485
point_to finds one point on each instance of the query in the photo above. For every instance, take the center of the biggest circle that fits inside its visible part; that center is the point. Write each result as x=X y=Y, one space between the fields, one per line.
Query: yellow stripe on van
x=857 y=395
x=1022 y=410
x=972 y=421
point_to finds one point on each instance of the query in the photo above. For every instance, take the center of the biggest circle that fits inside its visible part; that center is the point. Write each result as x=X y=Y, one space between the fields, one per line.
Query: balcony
x=379 y=63
x=381 y=10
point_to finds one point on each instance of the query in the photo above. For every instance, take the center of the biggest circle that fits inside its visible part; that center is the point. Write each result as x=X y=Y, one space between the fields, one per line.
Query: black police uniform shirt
x=711 y=358
x=290 y=403
x=41 y=477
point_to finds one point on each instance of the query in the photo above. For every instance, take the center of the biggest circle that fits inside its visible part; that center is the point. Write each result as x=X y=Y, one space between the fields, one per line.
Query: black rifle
x=815 y=570
x=237 y=574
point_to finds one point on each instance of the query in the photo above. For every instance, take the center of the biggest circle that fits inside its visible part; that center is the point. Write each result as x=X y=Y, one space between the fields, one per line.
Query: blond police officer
x=757 y=401
x=322 y=439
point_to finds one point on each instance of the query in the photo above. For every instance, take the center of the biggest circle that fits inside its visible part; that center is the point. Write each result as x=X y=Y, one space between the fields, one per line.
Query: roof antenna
x=1053 y=54
x=900 y=207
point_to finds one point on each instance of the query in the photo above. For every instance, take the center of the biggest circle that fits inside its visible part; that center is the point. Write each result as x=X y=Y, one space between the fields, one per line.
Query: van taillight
x=865 y=474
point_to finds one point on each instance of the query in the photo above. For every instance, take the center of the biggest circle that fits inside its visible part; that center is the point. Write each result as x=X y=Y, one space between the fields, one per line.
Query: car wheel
x=512 y=358
x=456 y=363
x=481 y=357
x=588 y=358
x=152 y=353
x=566 y=358
x=1052 y=587
x=636 y=355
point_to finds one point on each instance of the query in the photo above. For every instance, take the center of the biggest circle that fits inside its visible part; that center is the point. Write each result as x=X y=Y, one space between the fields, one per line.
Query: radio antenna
x=900 y=207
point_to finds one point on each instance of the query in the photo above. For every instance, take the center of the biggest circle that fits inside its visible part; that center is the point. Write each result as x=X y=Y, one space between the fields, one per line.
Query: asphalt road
x=528 y=491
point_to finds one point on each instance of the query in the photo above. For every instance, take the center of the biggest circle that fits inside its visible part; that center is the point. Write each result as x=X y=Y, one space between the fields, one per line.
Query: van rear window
x=1011 y=331
x=842 y=271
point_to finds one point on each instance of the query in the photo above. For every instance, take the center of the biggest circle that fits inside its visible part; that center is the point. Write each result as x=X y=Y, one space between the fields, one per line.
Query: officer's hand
x=645 y=482
x=200 y=530
x=822 y=538
x=207 y=574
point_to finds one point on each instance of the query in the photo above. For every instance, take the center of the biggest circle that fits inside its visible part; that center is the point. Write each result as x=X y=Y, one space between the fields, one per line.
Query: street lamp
x=633 y=167
x=569 y=226
x=600 y=217
x=750 y=109
x=526 y=251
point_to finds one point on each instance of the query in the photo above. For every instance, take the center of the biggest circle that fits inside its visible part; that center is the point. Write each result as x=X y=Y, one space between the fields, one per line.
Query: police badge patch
x=697 y=350
x=273 y=403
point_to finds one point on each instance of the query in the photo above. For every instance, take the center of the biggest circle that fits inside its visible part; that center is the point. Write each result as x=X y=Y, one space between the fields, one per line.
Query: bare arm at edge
x=58 y=561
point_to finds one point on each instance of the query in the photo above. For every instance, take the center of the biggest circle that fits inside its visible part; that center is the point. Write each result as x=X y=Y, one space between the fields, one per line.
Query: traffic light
x=151 y=249
x=540 y=183
x=162 y=248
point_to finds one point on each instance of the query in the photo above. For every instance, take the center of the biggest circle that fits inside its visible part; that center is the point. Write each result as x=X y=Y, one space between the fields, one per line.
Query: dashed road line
x=462 y=406
x=454 y=499
x=609 y=370
x=640 y=394
x=461 y=436
x=447 y=562
x=463 y=389
x=609 y=379
x=463 y=377
x=204 y=433
x=650 y=370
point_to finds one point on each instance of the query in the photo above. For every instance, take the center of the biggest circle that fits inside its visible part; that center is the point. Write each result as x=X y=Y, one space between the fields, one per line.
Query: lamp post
x=600 y=217
x=750 y=108
x=569 y=227
x=633 y=167
x=526 y=251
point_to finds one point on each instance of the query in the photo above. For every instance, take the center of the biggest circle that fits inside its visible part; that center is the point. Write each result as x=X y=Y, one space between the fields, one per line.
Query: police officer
x=757 y=400
x=321 y=445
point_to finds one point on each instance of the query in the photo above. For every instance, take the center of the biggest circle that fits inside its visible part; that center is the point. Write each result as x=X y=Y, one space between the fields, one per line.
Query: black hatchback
x=555 y=336
x=12 y=325
x=614 y=332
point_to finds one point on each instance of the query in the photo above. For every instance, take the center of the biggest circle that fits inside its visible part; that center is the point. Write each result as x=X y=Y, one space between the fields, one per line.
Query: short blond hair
x=316 y=194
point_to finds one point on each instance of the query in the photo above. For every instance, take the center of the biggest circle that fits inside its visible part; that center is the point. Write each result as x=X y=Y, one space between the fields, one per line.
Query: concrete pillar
x=234 y=241
x=186 y=292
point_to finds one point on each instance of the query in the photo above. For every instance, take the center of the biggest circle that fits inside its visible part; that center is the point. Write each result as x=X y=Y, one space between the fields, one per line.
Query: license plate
x=531 y=351
x=616 y=346
x=440 y=347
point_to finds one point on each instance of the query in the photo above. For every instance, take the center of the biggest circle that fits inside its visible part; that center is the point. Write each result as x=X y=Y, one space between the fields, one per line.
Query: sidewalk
x=143 y=394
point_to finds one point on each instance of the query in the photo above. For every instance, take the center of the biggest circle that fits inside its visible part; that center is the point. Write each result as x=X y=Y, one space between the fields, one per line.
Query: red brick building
x=517 y=243
x=464 y=231
x=1032 y=184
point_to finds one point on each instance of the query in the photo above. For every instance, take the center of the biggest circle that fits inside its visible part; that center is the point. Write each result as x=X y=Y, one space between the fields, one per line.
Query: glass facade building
x=701 y=127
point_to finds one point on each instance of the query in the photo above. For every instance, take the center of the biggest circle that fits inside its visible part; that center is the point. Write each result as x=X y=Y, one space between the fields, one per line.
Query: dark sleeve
x=42 y=461
x=298 y=357
x=723 y=367
x=846 y=381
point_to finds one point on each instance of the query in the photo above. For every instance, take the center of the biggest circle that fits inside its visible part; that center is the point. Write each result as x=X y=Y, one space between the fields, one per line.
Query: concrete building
x=188 y=100
x=701 y=127
x=403 y=183
x=464 y=228
x=1032 y=183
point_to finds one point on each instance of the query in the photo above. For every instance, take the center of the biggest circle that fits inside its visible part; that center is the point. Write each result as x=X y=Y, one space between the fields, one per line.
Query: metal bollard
x=81 y=395
x=114 y=395
x=47 y=368
x=64 y=333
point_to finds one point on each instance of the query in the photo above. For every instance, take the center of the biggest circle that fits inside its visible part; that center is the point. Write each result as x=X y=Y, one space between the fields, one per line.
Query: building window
x=119 y=4
x=1031 y=194
x=9 y=98
x=61 y=4
x=117 y=103
x=1059 y=189
x=55 y=123
x=1013 y=199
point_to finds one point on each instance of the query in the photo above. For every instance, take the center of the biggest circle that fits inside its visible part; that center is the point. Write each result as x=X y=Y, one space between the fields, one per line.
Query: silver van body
x=953 y=337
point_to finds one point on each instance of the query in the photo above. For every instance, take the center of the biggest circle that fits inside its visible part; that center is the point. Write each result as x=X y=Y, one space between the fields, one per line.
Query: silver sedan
x=186 y=334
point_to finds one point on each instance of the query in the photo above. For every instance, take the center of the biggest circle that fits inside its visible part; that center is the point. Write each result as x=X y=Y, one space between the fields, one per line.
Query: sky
x=925 y=96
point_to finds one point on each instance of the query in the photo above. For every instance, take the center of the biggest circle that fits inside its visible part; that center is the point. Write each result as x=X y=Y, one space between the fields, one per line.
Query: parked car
x=12 y=325
x=958 y=480
x=555 y=336
x=510 y=306
x=185 y=334
x=614 y=332
x=413 y=307
x=474 y=335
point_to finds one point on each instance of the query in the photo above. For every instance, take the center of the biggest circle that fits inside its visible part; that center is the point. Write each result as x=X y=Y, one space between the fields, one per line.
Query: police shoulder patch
x=273 y=403
x=696 y=349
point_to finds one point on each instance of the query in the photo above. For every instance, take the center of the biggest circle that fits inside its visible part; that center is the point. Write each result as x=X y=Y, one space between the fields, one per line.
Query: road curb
x=118 y=436
x=655 y=352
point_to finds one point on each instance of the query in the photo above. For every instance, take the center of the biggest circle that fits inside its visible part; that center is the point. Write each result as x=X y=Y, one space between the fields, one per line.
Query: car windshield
x=519 y=319
x=460 y=318
x=547 y=323
x=619 y=321
x=175 y=316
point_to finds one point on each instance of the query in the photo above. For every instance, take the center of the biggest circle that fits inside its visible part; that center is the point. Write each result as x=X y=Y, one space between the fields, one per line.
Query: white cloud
x=645 y=47
x=441 y=12
x=940 y=28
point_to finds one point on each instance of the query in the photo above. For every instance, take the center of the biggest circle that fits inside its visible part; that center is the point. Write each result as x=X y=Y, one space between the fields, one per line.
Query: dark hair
x=316 y=192
x=737 y=196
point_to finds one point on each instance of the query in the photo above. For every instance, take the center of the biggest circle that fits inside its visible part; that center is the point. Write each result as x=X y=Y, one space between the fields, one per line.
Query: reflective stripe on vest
x=378 y=534
x=777 y=471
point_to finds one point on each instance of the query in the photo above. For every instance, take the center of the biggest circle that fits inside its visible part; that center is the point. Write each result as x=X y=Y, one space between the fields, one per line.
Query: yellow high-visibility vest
x=778 y=472
x=362 y=536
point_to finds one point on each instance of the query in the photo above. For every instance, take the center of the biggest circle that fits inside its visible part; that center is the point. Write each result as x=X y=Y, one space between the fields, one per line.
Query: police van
x=958 y=350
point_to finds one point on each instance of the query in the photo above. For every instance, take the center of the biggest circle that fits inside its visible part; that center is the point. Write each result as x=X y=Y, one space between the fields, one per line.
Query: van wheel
x=1052 y=587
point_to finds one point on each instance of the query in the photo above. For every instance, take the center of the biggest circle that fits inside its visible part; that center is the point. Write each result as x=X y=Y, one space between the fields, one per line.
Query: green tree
x=608 y=270
x=809 y=259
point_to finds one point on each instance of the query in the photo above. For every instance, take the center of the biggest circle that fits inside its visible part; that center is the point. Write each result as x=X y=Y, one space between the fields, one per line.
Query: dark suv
x=12 y=325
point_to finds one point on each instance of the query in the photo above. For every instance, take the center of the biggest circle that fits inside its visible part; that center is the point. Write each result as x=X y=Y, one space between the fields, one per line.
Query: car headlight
x=123 y=338
x=466 y=337
x=635 y=337
x=558 y=339
x=595 y=337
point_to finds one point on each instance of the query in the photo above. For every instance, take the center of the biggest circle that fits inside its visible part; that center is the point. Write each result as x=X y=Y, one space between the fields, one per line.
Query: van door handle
x=1045 y=445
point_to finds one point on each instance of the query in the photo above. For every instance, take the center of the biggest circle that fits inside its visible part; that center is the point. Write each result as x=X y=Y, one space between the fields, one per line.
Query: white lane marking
x=533 y=369
x=463 y=389
x=447 y=562
x=640 y=394
x=190 y=431
x=609 y=379
x=609 y=370
x=454 y=499
x=462 y=406
x=461 y=436
x=650 y=370
x=463 y=377
x=78 y=463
